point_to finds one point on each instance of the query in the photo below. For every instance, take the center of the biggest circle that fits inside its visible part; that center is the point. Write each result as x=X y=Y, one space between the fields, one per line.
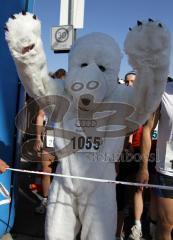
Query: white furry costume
x=94 y=64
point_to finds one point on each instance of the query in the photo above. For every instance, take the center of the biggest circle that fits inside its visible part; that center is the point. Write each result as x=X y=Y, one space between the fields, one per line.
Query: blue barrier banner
x=10 y=92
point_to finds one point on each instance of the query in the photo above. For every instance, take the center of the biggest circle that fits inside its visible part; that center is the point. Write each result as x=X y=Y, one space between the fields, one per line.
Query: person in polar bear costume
x=90 y=94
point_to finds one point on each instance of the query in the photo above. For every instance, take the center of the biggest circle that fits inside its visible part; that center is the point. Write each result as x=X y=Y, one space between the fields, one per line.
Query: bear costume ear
x=13 y=17
x=5 y=28
x=139 y=23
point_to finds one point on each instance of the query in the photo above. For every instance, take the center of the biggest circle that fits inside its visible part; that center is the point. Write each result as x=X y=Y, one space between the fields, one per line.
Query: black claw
x=130 y=29
x=34 y=16
x=160 y=25
x=13 y=17
x=139 y=23
x=5 y=28
x=23 y=13
x=150 y=20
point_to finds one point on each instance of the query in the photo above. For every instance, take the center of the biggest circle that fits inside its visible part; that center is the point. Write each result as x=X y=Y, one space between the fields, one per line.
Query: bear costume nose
x=85 y=101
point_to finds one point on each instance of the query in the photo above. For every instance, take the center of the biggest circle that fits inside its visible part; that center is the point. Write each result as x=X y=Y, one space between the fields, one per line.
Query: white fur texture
x=148 y=49
x=94 y=63
x=24 y=31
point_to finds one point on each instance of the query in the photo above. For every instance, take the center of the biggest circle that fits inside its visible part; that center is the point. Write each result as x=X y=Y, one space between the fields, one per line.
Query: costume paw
x=148 y=43
x=22 y=33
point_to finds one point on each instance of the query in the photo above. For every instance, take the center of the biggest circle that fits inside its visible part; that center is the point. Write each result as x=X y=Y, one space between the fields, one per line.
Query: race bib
x=86 y=144
x=169 y=155
x=50 y=141
x=155 y=133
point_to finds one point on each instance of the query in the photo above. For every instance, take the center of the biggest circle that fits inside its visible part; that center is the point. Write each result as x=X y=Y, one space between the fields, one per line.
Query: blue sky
x=113 y=17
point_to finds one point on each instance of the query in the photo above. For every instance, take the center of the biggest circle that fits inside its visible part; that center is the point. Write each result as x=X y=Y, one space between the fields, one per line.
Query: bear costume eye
x=102 y=68
x=92 y=85
x=84 y=65
x=77 y=86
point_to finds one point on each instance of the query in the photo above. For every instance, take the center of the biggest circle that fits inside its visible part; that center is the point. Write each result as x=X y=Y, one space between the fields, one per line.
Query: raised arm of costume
x=23 y=34
x=148 y=49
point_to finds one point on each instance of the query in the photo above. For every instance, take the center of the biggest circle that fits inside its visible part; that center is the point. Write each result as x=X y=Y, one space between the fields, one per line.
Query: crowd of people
x=150 y=162
x=146 y=158
x=129 y=170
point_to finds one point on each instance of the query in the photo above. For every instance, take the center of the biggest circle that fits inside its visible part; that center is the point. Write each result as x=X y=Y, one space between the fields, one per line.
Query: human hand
x=130 y=148
x=3 y=166
x=142 y=176
x=38 y=145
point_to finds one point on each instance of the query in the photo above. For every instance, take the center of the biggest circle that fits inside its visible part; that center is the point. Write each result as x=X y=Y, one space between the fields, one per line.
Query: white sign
x=62 y=38
x=77 y=11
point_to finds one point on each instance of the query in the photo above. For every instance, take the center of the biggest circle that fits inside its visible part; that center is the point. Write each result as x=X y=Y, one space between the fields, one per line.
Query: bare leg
x=165 y=218
x=138 y=204
x=153 y=206
x=136 y=230
x=153 y=214
x=46 y=161
x=120 y=223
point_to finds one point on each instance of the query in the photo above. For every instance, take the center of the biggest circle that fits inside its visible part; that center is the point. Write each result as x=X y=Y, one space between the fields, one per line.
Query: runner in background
x=45 y=148
x=138 y=198
x=129 y=166
x=123 y=169
x=164 y=160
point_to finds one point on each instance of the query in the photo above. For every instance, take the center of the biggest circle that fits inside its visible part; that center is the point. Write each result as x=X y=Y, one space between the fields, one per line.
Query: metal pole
x=69 y=12
x=71 y=16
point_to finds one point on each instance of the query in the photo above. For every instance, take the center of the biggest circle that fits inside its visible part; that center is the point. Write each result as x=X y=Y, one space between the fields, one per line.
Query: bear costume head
x=94 y=64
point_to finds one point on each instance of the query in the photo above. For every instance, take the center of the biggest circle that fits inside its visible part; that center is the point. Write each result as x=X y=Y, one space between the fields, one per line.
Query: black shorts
x=163 y=180
x=127 y=172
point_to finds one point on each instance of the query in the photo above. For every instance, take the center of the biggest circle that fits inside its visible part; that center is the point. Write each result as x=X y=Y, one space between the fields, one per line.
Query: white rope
x=93 y=179
x=4 y=192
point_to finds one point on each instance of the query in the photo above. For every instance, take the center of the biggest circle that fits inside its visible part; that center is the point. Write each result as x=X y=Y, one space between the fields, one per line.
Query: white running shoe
x=136 y=233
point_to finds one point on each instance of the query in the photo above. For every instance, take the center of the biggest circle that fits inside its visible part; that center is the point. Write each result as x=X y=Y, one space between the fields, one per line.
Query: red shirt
x=137 y=137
